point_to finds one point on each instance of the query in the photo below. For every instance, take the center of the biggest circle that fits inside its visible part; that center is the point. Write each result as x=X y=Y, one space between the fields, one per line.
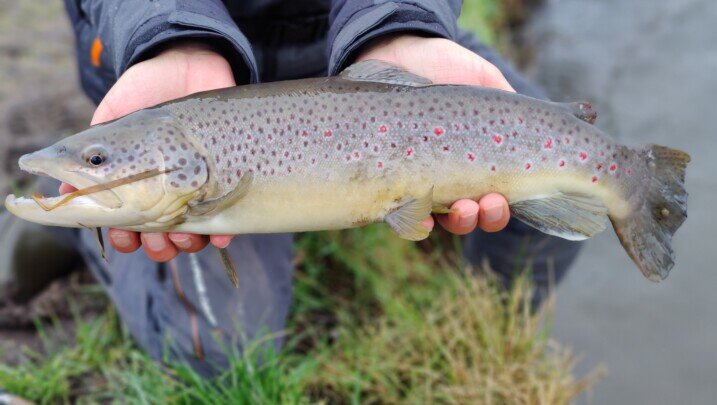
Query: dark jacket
x=112 y=35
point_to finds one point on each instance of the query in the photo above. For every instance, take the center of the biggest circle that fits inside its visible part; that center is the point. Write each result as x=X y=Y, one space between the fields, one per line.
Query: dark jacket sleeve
x=355 y=22
x=112 y=35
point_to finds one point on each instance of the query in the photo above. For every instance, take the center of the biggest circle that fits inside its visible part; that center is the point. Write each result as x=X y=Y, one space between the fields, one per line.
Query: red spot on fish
x=599 y=166
x=562 y=163
x=528 y=166
x=356 y=154
x=497 y=139
x=304 y=133
x=583 y=155
x=613 y=167
x=438 y=131
x=520 y=120
x=382 y=128
x=549 y=143
x=471 y=157
x=595 y=179
x=328 y=133
x=288 y=169
x=409 y=152
x=567 y=140
x=380 y=164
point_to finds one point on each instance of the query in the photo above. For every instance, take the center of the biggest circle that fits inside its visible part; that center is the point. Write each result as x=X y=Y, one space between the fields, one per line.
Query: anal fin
x=569 y=216
x=406 y=220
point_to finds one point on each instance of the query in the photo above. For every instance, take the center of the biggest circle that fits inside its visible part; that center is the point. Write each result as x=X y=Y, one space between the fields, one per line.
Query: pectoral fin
x=219 y=203
x=569 y=216
x=406 y=220
x=229 y=267
x=101 y=243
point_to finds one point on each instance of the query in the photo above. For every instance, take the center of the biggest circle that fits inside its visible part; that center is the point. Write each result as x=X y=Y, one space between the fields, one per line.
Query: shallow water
x=650 y=69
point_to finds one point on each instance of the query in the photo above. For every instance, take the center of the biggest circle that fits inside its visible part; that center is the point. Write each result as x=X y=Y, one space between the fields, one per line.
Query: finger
x=444 y=61
x=462 y=219
x=158 y=246
x=221 y=241
x=472 y=69
x=428 y=223
x=66 y=188
x=494 y=213
x=188 y=242
x=124 y=241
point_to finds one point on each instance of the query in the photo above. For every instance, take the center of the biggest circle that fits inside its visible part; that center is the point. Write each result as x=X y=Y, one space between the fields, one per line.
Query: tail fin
x=647 y=234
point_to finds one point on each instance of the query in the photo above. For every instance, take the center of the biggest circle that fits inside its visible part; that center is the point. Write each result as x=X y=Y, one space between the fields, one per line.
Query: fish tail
x=646 y=235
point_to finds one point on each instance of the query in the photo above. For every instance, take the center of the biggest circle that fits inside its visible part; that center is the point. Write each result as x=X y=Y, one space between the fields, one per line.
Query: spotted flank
x=374 y=144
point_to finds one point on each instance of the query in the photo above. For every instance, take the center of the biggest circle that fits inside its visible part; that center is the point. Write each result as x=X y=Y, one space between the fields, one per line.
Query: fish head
x=137 y=172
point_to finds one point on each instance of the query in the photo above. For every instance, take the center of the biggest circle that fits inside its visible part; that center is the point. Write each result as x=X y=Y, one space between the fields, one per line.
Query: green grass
x=483 y=18
x=375 y=319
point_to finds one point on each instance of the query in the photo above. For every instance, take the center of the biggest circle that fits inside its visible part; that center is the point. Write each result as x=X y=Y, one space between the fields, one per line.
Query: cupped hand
x=179 y=70
x=444 y=61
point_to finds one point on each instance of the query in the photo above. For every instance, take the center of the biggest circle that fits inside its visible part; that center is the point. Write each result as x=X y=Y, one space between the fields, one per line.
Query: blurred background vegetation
x=375 y=319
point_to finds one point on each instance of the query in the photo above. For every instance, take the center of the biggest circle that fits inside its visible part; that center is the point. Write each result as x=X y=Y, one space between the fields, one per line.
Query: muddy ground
x=40 y=101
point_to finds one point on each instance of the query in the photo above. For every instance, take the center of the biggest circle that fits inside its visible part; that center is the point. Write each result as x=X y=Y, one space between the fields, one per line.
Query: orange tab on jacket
x=96 y=52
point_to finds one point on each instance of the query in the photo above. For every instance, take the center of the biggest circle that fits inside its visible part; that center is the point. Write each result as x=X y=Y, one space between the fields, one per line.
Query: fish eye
x=95 y=155
x=96 y=160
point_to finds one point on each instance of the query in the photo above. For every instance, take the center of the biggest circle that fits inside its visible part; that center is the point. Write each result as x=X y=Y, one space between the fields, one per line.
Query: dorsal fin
x=583 y=110
x=382 y=72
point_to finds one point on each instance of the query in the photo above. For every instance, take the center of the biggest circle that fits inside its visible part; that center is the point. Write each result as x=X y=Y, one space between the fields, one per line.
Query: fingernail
x=467 y=220
x=182 y=241
x=121 y=240
x=154 y=242
x=493 y=213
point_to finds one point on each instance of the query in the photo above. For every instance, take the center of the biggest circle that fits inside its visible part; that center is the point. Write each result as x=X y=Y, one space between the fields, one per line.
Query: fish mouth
x=90 y=208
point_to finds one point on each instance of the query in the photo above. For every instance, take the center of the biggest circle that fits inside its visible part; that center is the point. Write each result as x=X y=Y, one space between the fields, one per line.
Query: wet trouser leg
x=187 y=309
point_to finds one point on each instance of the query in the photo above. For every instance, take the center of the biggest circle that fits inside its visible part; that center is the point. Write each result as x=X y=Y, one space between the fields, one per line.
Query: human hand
x=178 y=71
x=444 y=61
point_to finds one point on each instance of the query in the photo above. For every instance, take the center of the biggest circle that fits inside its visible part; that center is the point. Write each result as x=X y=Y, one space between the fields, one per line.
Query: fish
x=374 y=144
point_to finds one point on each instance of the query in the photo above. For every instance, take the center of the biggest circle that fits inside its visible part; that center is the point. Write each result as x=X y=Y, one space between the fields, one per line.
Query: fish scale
x=384 y=130
x=374 y=144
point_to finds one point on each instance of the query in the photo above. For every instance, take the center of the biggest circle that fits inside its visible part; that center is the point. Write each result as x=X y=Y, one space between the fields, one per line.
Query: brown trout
x=373 y=144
